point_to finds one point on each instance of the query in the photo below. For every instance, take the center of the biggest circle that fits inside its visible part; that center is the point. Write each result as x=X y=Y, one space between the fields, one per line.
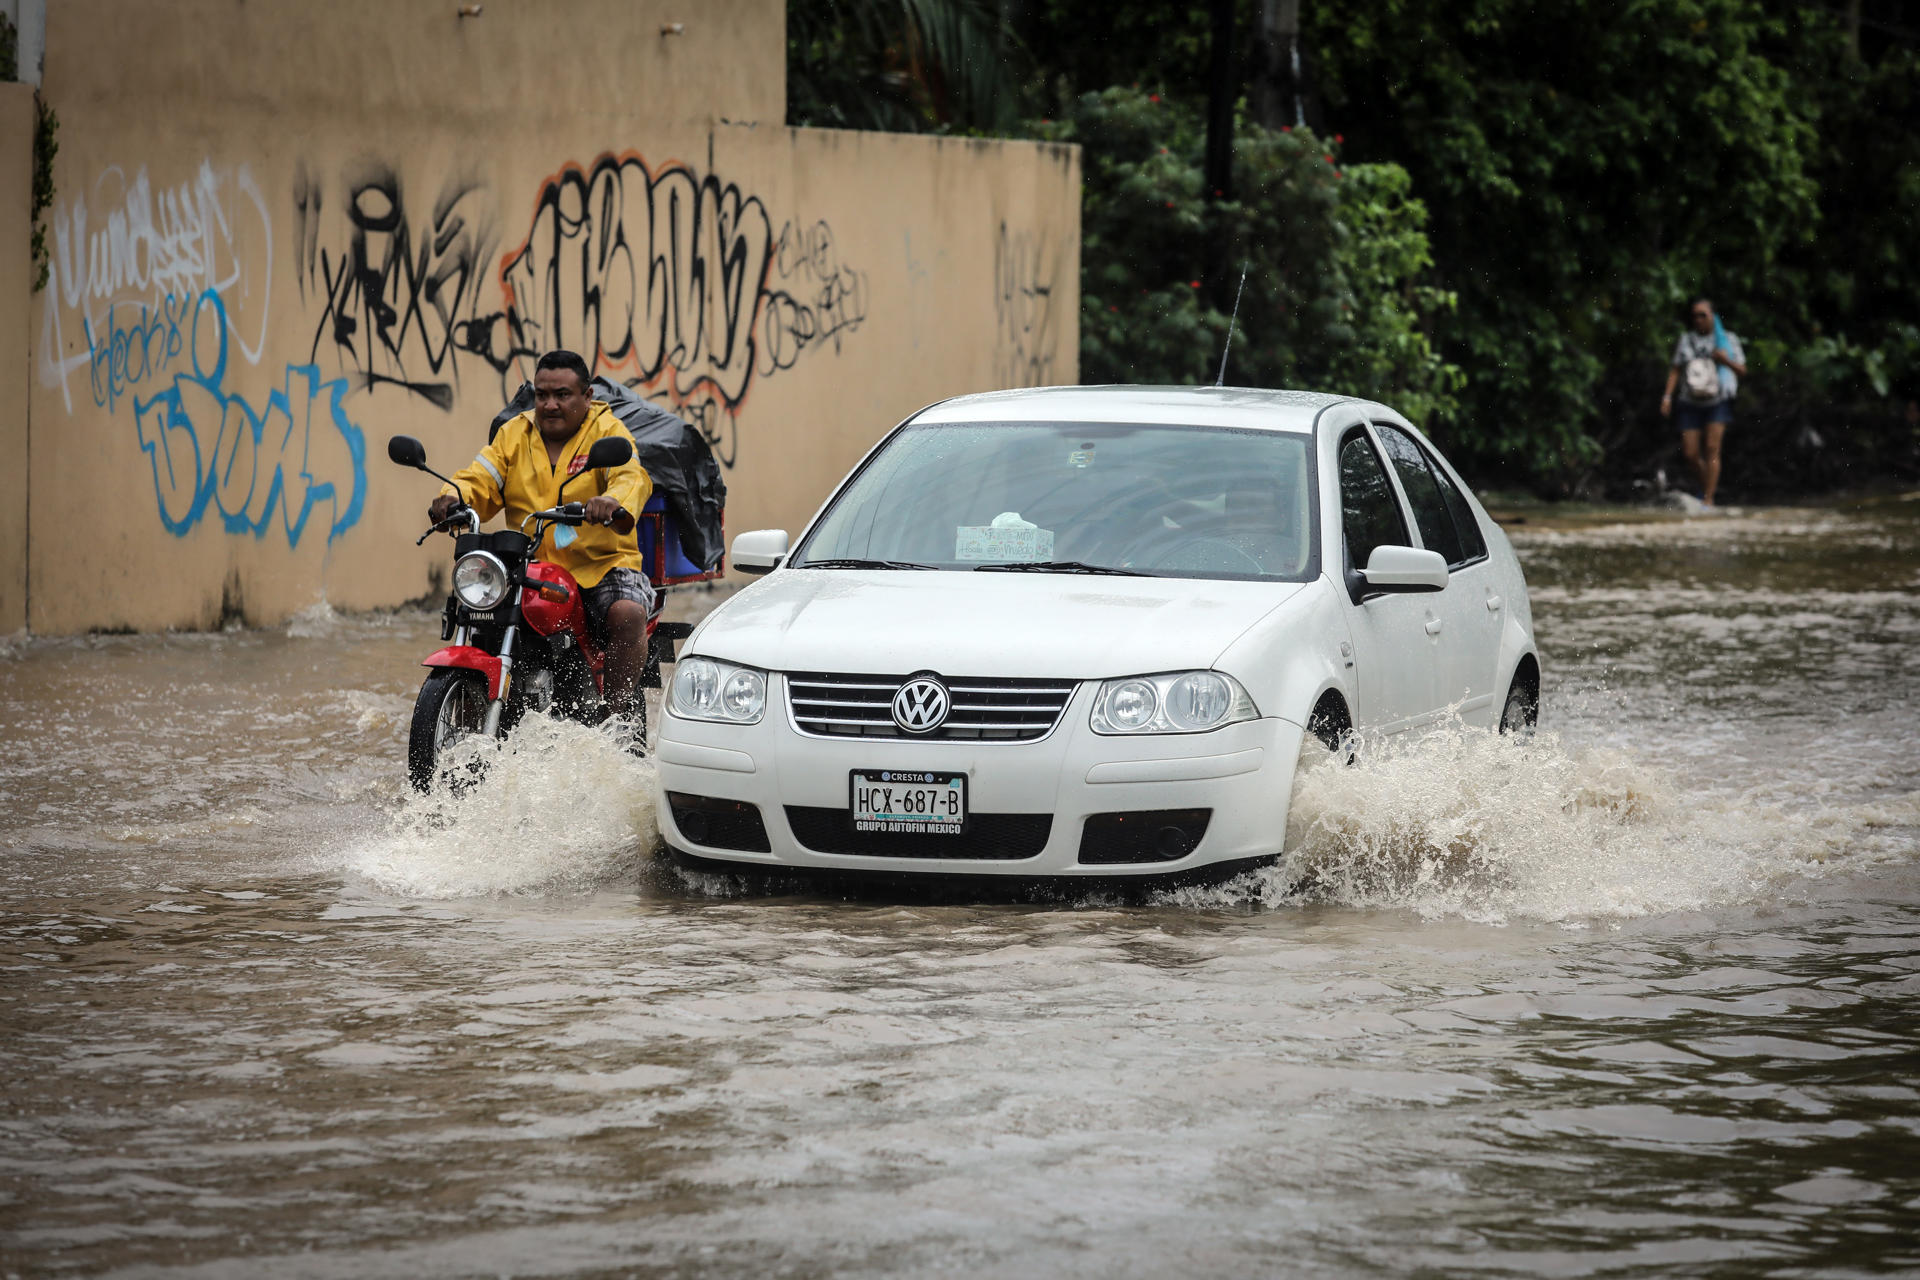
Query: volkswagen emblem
x=922 y=704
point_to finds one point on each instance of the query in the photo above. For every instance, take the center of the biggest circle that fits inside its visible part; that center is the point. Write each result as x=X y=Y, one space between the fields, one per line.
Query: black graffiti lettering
x=1023 y=310
x=673 y=282
x=396 y=304
x=658 y=274
x=821 y=298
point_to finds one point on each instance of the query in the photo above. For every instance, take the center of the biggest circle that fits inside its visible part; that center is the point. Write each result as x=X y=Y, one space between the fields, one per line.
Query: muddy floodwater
x=1639 y=996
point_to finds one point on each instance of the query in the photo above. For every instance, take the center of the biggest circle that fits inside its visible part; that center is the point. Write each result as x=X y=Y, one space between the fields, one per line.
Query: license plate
x=909 y=801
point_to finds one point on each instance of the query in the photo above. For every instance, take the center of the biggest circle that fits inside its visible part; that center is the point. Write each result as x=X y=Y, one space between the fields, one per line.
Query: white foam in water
x=1471 y=824
x=560 y=807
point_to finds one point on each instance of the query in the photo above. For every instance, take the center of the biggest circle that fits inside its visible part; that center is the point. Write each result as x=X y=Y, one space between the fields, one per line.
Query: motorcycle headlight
x=480 y=580
x=1176 y=702
x=707 y=689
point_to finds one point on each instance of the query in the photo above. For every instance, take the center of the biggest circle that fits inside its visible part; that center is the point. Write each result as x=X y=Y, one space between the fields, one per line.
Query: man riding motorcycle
x=522 y=470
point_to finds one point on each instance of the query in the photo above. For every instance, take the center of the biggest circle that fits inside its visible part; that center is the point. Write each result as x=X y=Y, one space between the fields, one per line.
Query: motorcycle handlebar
x=460 y=512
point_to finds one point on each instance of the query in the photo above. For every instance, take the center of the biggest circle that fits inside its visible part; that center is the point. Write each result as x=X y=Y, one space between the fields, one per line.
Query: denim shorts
x=618 y=584
x=1693 y=417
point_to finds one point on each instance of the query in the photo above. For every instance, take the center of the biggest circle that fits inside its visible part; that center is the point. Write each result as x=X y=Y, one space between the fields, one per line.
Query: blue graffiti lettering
x=128 y=354
x=266 y=466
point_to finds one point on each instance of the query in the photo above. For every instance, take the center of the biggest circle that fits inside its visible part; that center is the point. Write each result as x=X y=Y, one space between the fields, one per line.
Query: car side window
x=1423 y=492
x=1369 y=513
x=1473 y=543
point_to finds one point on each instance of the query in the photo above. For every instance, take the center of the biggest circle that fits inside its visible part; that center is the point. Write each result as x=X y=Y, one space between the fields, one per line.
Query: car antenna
x=1221 y=379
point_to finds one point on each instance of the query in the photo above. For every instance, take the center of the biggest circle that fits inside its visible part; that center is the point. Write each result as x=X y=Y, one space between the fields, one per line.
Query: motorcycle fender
x=465 y=655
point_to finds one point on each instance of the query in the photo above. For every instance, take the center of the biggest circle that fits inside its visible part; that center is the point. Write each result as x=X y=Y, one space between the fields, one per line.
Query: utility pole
x=1277 y=95
x=1223 y=87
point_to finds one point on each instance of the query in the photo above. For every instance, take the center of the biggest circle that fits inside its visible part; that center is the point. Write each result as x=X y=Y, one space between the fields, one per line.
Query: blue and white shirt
x=1693 y=345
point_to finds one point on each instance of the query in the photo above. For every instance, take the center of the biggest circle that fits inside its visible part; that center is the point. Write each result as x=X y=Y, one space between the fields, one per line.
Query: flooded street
x=1640 y=995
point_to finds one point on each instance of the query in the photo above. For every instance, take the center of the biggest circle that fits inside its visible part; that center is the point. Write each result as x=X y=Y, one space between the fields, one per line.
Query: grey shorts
x=618 y=584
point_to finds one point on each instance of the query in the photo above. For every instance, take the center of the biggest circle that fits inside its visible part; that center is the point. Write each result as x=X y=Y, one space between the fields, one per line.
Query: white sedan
x=1084 y=631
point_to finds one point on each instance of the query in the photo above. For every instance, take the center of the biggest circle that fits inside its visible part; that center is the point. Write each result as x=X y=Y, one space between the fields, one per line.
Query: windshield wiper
x=848 y=563
x=1058 y=566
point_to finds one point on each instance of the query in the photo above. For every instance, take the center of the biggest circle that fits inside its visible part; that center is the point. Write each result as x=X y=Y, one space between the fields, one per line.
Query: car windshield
x=1186 y=502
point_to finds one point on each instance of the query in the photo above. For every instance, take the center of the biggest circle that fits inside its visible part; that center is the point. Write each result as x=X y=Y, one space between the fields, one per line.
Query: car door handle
x=1493 y=604
x=1433 y=626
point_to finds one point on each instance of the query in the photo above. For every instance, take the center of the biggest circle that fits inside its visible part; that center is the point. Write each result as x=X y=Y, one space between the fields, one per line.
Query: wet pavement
x=1640 y=996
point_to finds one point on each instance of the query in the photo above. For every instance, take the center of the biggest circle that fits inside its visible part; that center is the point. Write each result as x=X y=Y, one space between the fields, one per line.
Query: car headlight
x=1176 y=702
x=707 y=689
x=480 y=580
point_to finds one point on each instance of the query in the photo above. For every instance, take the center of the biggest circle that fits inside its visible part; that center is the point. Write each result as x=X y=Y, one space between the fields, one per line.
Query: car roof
x=1292 y=411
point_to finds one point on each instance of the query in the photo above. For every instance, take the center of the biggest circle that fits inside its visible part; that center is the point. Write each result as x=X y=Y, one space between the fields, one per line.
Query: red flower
x=1193 y=284
x=1337 y=173
x=1329 y=159
x=1169 y=204
x=1339 y=137
x=1286 y=128
x=1111 y=307
x=1153 y=97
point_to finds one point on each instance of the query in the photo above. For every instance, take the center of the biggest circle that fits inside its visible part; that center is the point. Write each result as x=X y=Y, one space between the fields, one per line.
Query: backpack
x=1702 y=379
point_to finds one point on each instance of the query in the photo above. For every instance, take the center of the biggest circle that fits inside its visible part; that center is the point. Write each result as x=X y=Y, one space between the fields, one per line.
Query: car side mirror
x=609 y=451
x=760 y=550
x=1405 y=569
x=407 y=452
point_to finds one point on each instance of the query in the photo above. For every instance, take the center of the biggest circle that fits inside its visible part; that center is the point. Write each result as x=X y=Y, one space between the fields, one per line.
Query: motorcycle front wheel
x=452 y=704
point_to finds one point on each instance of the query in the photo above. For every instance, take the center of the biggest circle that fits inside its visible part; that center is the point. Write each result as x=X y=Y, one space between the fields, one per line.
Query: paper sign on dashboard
x=1008 y=538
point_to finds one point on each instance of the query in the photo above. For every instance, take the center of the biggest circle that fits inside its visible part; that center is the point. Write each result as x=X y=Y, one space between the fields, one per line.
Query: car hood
x=894 y=622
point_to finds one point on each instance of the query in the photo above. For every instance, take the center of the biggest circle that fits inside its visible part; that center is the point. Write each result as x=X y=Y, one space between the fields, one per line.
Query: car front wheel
x=1522 y=712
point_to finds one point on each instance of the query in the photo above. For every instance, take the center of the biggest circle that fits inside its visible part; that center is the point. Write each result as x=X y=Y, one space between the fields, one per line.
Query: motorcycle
x=518 y=629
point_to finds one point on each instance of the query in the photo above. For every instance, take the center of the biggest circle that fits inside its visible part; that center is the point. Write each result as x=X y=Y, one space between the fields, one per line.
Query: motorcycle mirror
x=610 y=451
x=407 y=452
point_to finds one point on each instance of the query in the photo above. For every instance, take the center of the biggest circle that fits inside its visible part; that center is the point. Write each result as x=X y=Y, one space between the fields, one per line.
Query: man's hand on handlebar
x=443 y=506
x=607 y=510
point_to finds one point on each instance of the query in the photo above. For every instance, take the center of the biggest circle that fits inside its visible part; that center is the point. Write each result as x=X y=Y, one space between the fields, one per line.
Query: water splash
x=559 y=807
x=1488 y=828
x=318 y=621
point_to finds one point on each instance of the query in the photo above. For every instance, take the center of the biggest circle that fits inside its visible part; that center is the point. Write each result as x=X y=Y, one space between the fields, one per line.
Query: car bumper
x=1242 y=773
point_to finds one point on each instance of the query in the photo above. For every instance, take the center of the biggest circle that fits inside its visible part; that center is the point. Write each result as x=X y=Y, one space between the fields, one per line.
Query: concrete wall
x=286 y=231
x=16 y=283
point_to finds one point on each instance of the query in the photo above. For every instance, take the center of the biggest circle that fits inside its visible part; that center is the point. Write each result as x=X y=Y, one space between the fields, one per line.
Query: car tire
x=1521 y=714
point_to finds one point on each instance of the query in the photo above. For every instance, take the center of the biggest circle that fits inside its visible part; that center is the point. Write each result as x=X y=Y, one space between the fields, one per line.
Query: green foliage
x=1589 y=168
x=1333 y=257
x=46 y=128
x=904 y=66
x=1531 y=192
x=1860 y=275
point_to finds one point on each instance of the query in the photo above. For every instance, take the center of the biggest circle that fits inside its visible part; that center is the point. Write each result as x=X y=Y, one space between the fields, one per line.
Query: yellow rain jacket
x=514 y=472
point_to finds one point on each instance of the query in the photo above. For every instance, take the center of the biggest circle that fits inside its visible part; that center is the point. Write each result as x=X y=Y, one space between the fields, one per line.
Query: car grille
x=984 y=709
x=988 y=836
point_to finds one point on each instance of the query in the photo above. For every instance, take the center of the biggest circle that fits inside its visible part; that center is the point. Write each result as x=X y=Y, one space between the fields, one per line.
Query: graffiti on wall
x=819 y=298
x=127 y=260
x=160 y=295
x=1024 y=338
x=261 y=468
x=156 y=291
x=396 y=302
x=672 y=281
